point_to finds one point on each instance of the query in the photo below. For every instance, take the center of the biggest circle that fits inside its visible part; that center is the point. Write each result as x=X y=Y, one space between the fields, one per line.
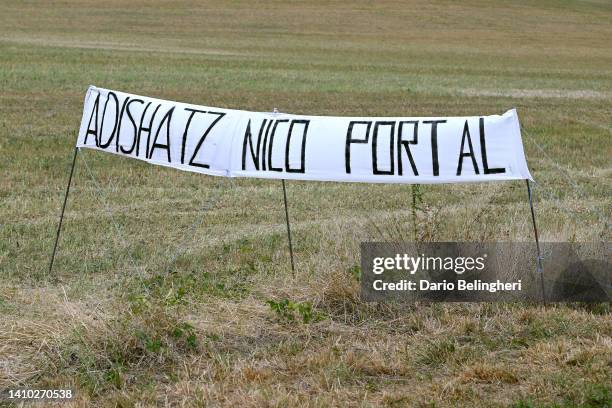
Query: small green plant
x=282 y=308
x=288 y=310
x=151 y=343
x=187 y=332
x=305 y=310
x=174 y=297
x=113 y=376
x=598 y=395
x=355 y=272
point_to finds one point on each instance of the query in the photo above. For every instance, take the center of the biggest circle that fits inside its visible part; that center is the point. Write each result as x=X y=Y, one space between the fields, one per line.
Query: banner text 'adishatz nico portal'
x=236 y=143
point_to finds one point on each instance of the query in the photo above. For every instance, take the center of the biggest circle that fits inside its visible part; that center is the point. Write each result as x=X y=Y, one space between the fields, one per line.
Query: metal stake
x=539 y=267
x=59 y=226
x=288 y=227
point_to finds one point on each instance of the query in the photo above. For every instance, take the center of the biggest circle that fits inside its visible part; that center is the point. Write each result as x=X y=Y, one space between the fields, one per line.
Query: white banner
x=235 y=143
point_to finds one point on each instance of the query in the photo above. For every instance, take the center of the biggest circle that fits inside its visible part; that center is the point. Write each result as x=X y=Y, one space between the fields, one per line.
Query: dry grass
x=124 y=326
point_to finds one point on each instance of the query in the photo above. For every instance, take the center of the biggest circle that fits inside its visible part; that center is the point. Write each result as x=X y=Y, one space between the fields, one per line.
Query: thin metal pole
x=539 y=267
x=414 y=214
x=288 y=227
x=59 y=226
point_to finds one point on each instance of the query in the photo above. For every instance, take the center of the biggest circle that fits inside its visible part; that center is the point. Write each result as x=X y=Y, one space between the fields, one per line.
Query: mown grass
x=154 y=301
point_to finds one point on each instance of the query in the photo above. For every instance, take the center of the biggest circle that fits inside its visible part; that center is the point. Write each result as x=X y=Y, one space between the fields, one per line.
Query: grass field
x=162 y=289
